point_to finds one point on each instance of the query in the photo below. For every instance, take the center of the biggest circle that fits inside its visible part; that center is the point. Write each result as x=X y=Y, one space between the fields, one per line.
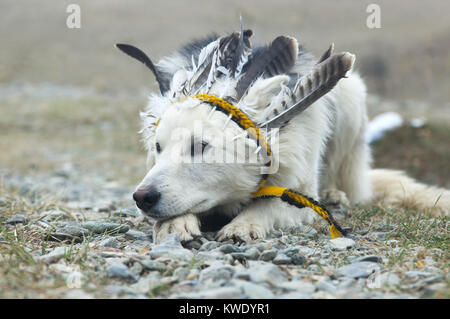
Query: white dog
x=320 y=153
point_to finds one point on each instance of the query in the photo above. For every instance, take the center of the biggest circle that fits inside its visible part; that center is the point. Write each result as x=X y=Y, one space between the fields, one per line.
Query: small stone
x=375 y=236
x=228 y=249
x=181 y=273
x=134 y=234
x=296 y=295
x=75 y=231
x=360 y=269
x=341 y=243
x=268 y=255
x=192 y=244
x=209 y=245
x=314 y=268
x=126 y=213
x=151 y=265
x=266 y=273
x=217 y=271
x=17 y=219
x=252 y=290
x=385 y=279
x=119 y=270
x=282 y=259
x=250 y=254
x=147 y=284
x=298 y=259
x=54 y=214
x=214 y=293
x=102 y=227
x=298 y=285
x=57 y=236
x=171 y=247
x=371 y=258
x=137 y=269
x=55 y=255
x=109 y=242
x=325 y=285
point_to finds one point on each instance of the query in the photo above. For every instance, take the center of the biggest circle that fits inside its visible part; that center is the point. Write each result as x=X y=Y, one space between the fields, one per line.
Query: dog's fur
x=322 y=154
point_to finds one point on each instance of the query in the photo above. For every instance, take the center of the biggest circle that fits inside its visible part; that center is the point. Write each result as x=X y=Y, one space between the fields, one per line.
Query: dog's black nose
x=146 y=198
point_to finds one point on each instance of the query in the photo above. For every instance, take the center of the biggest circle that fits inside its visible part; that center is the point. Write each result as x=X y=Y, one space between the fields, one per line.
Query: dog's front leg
x=264 y=215
x=186 y=227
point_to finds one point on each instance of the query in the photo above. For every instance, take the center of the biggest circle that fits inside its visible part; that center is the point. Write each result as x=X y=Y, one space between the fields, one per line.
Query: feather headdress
x=229 y=67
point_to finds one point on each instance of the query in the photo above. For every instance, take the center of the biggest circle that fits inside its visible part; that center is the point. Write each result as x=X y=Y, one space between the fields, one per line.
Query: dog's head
x=198 y=159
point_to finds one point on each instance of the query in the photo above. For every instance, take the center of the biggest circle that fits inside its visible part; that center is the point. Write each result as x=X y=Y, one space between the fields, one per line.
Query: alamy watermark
x=373 y=20
x=73 y=20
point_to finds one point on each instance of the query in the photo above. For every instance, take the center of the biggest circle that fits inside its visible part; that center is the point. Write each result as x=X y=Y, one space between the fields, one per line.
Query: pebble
x=298 y=285
x=342 y=243
x=371 y=258
x=119 y=270
x=228 y=249
x=102 y=227
x=384 y=279
x=17 y=219
x=151 y=265
x=209 y=245
x=146 y=284
x=217 y=271
x=251 y=254
x=171 y=247
x=54 y=214
x=214 y=293
x=360 y=269
x=134 y=234
x=266 y=273
x=55 y=255
x=268 y=255
x=282 y=259
x=109 y=242
x=137 y=269
x=252 y=290
x=126 y=213
x=298 y=259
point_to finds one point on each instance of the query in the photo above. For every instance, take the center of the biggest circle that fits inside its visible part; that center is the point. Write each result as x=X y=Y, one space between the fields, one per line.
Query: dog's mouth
x=197 y=208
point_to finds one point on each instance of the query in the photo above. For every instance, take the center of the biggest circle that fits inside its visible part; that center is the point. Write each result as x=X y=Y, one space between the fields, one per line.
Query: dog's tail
x=394 y=188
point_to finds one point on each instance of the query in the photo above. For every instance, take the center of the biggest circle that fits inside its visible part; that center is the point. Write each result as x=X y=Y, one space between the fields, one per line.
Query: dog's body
x=322 y=154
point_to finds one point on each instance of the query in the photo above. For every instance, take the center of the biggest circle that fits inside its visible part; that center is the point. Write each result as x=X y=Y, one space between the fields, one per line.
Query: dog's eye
x=193 y=148
x=158 y=148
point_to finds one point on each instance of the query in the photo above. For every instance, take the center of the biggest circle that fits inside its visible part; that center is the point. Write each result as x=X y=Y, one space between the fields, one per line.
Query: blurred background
x=69 y=100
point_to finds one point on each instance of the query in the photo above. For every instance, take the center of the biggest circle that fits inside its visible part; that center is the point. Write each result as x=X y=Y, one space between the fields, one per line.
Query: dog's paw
x=336 y=197
x=186 y=227
x=241 y=231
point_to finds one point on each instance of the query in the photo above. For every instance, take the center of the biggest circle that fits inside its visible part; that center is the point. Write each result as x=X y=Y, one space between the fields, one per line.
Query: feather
x=201 y=71
x=278 y=58
x=327 y=53
x=139 y=55
x=314 y=85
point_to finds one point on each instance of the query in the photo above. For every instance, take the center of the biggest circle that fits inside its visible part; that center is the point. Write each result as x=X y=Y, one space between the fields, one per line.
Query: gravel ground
x=91 y=243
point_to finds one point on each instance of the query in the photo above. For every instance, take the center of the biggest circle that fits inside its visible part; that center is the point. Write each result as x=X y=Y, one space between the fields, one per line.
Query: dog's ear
x=139 y=55
x=309 y=88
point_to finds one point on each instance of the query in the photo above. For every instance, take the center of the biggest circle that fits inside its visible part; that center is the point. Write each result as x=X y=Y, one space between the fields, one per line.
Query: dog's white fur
x=322 y=154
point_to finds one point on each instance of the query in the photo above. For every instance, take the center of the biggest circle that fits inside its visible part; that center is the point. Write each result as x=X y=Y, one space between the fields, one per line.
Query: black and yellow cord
x=286 y=195
x=300 y=201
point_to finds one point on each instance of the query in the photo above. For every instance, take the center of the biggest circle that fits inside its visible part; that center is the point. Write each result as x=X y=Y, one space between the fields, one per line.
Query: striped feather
x=278 y=58
x=313 y=86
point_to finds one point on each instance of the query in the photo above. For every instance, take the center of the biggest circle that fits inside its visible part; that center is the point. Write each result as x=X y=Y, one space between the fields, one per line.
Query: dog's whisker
x=212 y=112
x=227 y=121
